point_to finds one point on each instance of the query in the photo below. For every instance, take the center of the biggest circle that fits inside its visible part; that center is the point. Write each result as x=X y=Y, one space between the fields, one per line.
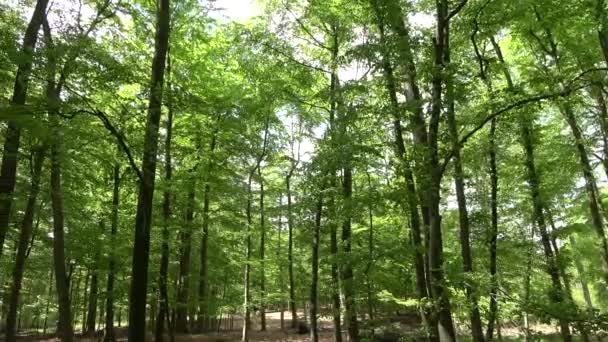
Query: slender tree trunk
x=281 y=274
x=370 y=253
x=61 y=276
x=163 y=310
x=203 y=283
x=38 y=153
x=335 y=274
x=439 y=294
x=202 y=289
x=581 y=276
x=533 y=181
x=48 y=302
x=262 y=255
x=247 y=301
x=292 y=299
x=420 y=134
x=602 y=33
x=463 y=214
x=8 y=170
x=556 y=294
x=92 y=310
x=84 y=304
x=181 y=320
x=346 y=273
x=405 y=170
x=603 y=120
x=314 y=285
x=493 y=310
x=141 y=247
x=597 y=217
x=109 y=335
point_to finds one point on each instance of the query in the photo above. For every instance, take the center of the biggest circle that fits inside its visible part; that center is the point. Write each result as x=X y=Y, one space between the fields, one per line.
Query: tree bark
x=141 y=247
x=109 y=335
x=92 y=310
x=597 y=217
x=181 y=319
x=533 y=181
x=493 y=310
x=581 y=276
x=202 y=287
x=463 y=214
x=247 y=301
x=163 y=310
x=61 y=276
x=25 y=233
x=442 y=307
x=314 y=285
x=262 y=256
x=405 y=170
x=8 y=170
x=292 y=299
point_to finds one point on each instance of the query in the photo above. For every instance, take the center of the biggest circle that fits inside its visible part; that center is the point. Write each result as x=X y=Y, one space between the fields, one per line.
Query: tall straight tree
x=109 y=335
x=314 y=284
x=404 y=167
x=247 y=302
x=163 y=274
x=141 y=246
x=25 y=234
x=463 y=213
x=533 y=180
x=8 y=170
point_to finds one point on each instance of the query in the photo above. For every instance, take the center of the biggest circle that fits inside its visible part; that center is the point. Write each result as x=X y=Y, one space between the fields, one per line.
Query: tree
x=141 y=247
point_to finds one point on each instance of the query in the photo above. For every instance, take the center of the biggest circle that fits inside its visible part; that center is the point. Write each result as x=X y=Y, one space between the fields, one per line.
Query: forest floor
x=275 y=333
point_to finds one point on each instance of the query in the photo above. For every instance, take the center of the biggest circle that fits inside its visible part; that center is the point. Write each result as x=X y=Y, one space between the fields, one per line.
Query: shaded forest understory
x=391 y=170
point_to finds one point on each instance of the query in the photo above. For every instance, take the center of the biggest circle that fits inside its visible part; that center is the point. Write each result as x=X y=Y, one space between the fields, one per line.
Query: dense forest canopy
x=361 y=170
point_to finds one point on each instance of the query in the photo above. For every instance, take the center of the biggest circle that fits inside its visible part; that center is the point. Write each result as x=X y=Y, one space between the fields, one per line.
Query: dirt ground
x=273 y=332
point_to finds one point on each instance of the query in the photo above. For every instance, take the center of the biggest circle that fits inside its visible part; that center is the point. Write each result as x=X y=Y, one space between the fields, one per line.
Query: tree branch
x=568 y=89
x=455 y=11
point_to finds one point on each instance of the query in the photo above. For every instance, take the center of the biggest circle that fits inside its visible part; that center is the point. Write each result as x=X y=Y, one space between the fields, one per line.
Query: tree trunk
x=48 y=302
x=596 y=91
x=61 y=276
x=405 y=171
x=109 y=335
x=314 y=285
x=533 y=181
x=141 y=247
x=442 y=307
x=281 y=278
x=247 y=301
x=463 y=214
x=493 y=310
x=181 y=320
x=163 y=310
x=581 y=274
x=597 y=217
x=262 y=256
x=10 y=153
x=84 y=304
x=292 y=299
x=602 y=33
x=25 y=233
x=370 y=253
x=203 y=282
x=346 y=273
x=92 y=310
